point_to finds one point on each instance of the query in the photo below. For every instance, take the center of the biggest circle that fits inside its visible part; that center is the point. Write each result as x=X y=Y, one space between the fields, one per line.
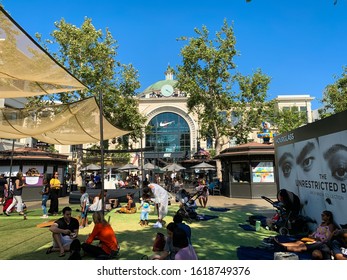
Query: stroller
x=188 y=206
x=287 y=219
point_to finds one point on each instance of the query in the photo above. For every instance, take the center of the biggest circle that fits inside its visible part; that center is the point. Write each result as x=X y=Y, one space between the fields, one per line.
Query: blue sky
x=300 y=44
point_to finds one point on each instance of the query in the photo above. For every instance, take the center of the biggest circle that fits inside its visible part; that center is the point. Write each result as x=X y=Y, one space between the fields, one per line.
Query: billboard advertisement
x=312 y=162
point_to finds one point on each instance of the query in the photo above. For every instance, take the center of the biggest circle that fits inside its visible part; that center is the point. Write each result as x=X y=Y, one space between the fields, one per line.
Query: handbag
x=159 y=242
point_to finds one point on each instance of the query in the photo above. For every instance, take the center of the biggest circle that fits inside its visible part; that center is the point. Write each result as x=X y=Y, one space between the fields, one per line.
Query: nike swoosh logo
x=165 y=123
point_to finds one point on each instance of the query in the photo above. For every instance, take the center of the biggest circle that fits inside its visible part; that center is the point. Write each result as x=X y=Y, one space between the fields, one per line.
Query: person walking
x=45 y=196
x=17 y=195
x=55 y=189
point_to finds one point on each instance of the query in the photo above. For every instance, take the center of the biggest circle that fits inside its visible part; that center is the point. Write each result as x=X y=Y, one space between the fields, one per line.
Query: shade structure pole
x=102 y=152
x=141 y=162
x=11 y=163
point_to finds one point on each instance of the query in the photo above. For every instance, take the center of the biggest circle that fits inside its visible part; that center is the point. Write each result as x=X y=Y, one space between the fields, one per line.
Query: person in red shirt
x=108 y=245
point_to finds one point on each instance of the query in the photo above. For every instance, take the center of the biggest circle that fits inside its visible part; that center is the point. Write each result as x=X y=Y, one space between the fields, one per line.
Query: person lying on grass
x=64 y=231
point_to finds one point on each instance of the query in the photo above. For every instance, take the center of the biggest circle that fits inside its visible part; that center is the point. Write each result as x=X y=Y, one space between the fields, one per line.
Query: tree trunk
x=218 y=148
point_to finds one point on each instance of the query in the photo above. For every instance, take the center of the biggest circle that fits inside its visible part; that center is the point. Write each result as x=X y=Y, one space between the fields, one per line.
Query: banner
x=312 y=163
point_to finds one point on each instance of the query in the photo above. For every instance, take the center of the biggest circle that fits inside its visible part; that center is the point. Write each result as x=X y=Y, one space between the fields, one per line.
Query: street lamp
x=141 y=158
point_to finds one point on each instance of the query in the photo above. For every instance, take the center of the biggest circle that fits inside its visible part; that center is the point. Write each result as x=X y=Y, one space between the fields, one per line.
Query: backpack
x=159 y=242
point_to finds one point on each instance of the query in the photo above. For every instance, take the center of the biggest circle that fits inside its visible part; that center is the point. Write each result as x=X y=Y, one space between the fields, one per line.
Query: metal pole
x=141 y=155
x=9 y=180
x=102 y=152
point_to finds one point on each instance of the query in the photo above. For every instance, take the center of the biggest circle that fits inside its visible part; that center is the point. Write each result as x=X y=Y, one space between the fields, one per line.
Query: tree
x=206 y=76
x=334 y=96
x=284 y=120
x=248 y=104
x=91 y=56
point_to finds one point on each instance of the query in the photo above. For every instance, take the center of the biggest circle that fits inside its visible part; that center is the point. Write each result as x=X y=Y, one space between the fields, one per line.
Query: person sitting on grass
x=315 y=241
x=103 y=232
x=169 y=251
x=64 y=231
x=130 y=208
x=339 y=245
x=97 y=204
x=185 y=250
x=178 y=220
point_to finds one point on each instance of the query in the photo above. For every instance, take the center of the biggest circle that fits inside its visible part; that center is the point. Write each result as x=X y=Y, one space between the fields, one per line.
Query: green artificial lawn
x=215 y=239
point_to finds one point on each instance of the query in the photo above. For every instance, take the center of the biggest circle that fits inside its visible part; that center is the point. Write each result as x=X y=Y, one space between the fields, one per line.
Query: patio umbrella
x=92 y=167
x=203 y=166
x=128 y=167
x=150 y=166
x=174 y=167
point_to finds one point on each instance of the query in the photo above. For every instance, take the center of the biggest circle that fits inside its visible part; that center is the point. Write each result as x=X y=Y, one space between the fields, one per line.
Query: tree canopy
x=206 y=75
x=285 y=119
x=334 y=96
x=90 y=55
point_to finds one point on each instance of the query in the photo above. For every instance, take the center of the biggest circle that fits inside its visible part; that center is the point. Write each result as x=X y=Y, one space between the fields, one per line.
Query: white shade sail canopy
x=65 y=124
x=26 y=69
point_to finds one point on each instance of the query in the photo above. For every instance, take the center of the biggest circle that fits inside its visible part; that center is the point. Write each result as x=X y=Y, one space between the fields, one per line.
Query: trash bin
x=73 y=187
x=62 y=191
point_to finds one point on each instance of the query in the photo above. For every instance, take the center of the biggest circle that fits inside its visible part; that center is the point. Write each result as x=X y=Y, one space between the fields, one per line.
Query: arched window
x=169 y=133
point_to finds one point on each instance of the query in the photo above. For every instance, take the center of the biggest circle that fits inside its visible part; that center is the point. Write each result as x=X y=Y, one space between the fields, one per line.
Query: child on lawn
x=145 y=208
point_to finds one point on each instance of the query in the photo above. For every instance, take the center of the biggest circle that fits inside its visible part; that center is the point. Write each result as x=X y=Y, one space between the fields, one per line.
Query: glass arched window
x=169 y=133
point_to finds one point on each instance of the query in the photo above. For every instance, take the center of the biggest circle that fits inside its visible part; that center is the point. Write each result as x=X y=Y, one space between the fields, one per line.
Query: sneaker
x=6 y=213
x=81 y=227
x=44 y=217
x=156 y=225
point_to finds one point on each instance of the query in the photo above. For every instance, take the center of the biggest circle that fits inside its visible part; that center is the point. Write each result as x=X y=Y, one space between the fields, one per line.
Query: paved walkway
x=247 y=205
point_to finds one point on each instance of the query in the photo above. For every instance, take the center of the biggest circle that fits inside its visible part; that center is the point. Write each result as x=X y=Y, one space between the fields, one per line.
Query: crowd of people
x=177 y=244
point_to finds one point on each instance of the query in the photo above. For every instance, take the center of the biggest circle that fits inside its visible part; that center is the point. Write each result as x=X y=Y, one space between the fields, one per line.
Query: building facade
x=174 y=132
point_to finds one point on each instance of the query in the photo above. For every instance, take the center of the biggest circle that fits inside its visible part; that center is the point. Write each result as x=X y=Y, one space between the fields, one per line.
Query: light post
x=141 y=158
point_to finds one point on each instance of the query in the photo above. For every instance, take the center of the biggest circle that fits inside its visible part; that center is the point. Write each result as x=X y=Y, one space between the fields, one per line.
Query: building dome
x=158 y=85
x=163 y=88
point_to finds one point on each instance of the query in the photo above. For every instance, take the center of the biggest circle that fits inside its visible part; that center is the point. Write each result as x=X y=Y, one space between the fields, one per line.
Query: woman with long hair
x=19 y=183
x=130 y=208
x=315 y=241
x=55 y=186
x=108 y=244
